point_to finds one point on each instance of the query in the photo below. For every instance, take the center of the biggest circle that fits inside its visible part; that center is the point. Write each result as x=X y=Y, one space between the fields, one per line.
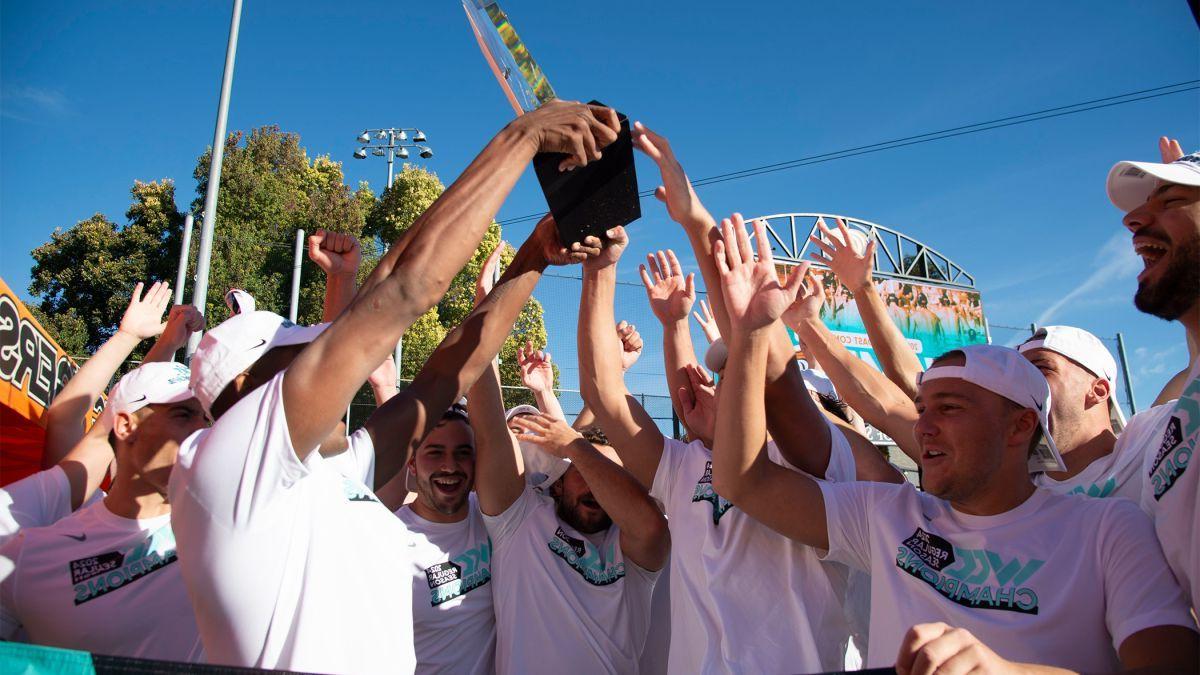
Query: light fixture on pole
x=392 y=143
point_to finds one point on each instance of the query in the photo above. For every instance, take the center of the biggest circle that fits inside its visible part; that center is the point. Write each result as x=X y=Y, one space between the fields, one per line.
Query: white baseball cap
x=523 y=409
x=815 y=380
x=1004 y=371
x=1130 y=183
x=149 y=384
x=239 y=301
x=229 y=349
x=1085 y=349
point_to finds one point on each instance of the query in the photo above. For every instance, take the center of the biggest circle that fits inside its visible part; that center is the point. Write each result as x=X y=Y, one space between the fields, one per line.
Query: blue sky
x=94 y=95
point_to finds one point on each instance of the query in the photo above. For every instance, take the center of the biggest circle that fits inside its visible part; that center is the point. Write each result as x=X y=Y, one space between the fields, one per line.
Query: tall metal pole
x=1125 y=374
x=200 y=295
x=391 y=158
x=297 y=259
x=184 y=249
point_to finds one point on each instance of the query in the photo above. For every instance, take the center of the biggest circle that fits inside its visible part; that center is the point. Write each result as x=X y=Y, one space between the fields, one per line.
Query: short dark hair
x=456 y=412
x=834 y=406
x=594 y=435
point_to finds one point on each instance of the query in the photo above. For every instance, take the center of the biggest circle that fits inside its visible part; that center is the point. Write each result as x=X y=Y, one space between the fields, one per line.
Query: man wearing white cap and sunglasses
x=1162 y=205
x=1102 y=453
x=105 y=578
x=983 y=570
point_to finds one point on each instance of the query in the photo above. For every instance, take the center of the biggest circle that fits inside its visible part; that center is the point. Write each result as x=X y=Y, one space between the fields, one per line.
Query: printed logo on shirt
x=1178 y=442
x=705 y=493
x=583 y=557
x=356 y=491
x=102 y=574
x=1096 y=489
x=975 y=578
x=460 y=575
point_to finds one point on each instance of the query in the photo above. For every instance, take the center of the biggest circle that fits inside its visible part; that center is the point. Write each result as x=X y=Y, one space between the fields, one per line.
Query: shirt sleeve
x=237 y=469
x=1139 y=590
x=38 y=500
x=673 y=454
x=10 y=555
x=841 y=459
x=358 y=461
x=849 y=508
x=502 y=527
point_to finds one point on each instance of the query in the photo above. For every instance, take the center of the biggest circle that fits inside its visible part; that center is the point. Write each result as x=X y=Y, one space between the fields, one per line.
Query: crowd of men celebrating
x=244 y=526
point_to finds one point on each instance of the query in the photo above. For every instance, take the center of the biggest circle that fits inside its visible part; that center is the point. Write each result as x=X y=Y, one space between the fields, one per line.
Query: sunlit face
x=149 y=438
x=1070 y=385
x=1166 y=234
x=961 y=429
x=444 y=466
x=576 y=505
x=520 y=416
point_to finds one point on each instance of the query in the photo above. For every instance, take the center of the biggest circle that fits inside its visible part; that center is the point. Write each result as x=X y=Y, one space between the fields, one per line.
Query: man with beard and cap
x=578 y=543
x=291 y=564
x=1102 y=453
x=104 y=579
x=1162 y=205
x=982 y=571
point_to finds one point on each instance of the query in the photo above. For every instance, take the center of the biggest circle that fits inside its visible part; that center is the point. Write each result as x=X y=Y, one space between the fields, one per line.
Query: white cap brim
x=1130 y=183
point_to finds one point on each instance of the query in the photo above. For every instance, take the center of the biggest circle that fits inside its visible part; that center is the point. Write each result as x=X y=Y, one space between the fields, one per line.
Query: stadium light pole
x=392 y=143
x=200 y=292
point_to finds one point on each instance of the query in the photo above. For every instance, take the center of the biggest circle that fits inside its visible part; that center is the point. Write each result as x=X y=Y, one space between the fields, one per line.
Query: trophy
x=589 y=199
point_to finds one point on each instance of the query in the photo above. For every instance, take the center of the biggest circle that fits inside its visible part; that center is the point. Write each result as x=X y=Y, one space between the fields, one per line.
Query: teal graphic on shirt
x=583 y=557
x=705 y=493
x=975 y=578
x=1178 y=441
x=460 y=575
x=356 y=491
x=101 y=574
x=1096 y=489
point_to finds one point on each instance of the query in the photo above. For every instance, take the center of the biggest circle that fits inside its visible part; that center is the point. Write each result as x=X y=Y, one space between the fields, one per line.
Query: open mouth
x=590 y=502
x=448 y=484
x=1151 y=253
x=932 y=455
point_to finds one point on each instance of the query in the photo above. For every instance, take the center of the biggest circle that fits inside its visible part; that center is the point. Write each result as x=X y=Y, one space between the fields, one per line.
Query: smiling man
x=982 y=570
x=1162 y=202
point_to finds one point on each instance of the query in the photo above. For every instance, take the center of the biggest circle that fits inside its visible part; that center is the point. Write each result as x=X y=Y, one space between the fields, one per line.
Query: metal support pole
x=987 y=330
x=184 y=249
x=675 y=423
x=391 y=156
x=1125 y=373
x=200 y=294
x=1032 y=329
x=297 y=259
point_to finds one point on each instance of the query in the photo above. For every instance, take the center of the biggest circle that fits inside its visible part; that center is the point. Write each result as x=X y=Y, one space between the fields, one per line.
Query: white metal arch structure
x=897 y=255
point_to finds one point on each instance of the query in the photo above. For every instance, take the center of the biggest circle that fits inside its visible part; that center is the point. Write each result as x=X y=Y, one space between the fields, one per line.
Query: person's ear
x=124 y=426
x=1099 y=393
x=1023 y=427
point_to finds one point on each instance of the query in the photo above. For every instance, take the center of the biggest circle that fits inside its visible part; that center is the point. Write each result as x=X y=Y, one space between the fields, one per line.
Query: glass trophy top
x=522 y=80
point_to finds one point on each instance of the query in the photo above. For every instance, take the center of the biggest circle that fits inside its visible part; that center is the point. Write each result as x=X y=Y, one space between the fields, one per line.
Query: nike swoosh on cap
x=139 y=400
x=260 y=343
x=77 y=537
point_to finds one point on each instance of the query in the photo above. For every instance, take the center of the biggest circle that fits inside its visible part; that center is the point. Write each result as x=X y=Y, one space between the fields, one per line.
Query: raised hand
x=545 y=233
x=631 y=345
x=708 y=322
x=676 y=192
x=336 y=253
x=938 y=648
x=143 y=317
x=671 y=294
x=618 y=239
x=852 y=268
x=754 y=298
x=182 y=321
x=548 y=433
x=699 y=402
x=487 y=274
x=536 y=372
x=1170 y=149
x=570 y=127
x=807 y=304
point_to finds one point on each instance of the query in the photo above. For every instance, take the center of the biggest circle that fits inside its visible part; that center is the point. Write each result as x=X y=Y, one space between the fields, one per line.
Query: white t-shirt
x=97 y=582
x=36 y=500
x=289 y=565
x=745 y=598
x=1172 y=493
x=1117 y=474
x=565 y=601
x=357 y=460
x=1059 y=580
x=454 y=626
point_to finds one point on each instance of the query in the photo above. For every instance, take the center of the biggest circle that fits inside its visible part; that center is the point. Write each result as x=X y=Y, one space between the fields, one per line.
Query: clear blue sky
x=98 y=94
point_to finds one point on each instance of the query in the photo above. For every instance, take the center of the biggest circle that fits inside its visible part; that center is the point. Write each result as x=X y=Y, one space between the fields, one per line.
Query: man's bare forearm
x=678 y=354
x=900 y=363
x=498 y=469
x=339 y=293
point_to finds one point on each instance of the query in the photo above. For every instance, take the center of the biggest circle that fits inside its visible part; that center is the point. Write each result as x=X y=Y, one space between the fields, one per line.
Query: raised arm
x=900 y=363
x=66 y=417
x=881 y=403
x=672 y=296
x=499 y=473
x=634 y=434
x=338 y=255
x=644 y=536
x=742 y=473
x=538 y=377
x=412 y=277
x=400 y=424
